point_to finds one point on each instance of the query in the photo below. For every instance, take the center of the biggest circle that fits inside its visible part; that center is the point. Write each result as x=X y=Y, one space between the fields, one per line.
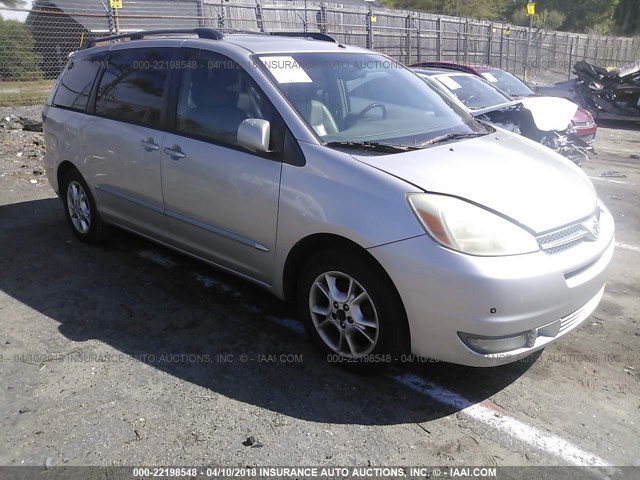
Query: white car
x=546 y=120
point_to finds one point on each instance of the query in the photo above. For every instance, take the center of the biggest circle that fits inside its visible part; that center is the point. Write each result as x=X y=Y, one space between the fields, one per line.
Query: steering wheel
x=468 y=100
x=370 y=107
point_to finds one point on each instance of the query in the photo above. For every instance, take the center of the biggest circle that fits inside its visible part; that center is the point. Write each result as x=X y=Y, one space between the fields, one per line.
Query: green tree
x=579 y=16
x=483 y=9
x=433 y=6
x=19 y=61
x=627 y=17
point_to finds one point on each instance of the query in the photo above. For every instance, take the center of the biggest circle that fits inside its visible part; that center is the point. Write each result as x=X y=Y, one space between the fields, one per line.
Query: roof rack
x=323 y=37
x=202 y=32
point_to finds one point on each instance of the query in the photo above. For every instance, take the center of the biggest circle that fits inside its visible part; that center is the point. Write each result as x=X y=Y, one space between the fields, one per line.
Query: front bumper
x=446 y=293
x=586 y=133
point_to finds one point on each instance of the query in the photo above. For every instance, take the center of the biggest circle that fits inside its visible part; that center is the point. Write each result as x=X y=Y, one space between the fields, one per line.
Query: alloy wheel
x=343 y=314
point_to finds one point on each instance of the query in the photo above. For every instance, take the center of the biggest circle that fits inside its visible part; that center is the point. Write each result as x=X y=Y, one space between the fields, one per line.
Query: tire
x=80 y=209
x=362 y=333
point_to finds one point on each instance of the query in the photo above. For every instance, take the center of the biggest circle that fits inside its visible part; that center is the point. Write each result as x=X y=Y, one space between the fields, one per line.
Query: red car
x=583 y=122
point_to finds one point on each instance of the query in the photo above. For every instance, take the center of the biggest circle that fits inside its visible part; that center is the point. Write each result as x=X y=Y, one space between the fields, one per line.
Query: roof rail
x=312 y=35
x=202 y=32
x=323 y=37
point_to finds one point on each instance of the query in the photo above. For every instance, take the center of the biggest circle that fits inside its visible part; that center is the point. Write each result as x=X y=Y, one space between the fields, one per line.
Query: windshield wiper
x=452 y=136
x=374 y=146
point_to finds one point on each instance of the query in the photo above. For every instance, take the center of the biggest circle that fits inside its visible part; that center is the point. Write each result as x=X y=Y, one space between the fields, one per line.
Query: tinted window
x=216 y=95
x=133 y=84
x=77 y=82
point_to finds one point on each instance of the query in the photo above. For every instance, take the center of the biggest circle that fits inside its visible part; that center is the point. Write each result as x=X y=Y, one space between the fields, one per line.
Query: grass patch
x=24 y=93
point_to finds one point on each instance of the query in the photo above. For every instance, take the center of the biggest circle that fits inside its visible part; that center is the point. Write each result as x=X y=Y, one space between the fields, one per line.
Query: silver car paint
x=222 y=205
x=358 y=197
x=505 y=172
x=527 y=292
x=123 y=166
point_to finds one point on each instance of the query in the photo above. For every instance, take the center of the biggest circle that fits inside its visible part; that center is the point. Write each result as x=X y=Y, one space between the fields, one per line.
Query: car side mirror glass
x=254 y=134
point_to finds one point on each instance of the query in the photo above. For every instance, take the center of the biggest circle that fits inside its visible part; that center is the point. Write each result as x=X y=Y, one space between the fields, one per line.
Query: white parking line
x=626 y=246
x=494 y=417
x=608 y=180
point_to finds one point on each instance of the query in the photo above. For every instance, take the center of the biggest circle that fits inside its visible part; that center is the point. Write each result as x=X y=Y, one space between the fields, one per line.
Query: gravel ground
x=130 y=354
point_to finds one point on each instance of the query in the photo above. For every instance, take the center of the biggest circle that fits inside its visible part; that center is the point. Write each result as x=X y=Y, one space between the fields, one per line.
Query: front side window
x=364 y=98
x=215 y=95
x=77 y=81
x=132 y=87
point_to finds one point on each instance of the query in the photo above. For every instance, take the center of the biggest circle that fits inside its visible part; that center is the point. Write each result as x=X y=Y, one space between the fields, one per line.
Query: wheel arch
x=65 y=167
x=313 y=244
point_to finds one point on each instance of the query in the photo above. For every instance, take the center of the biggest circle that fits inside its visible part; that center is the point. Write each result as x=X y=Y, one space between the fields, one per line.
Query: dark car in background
x=608 y=93
x=583 y=123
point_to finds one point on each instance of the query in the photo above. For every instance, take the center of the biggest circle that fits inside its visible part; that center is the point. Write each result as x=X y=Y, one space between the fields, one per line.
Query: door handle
x=149 y=144
x=175 y=152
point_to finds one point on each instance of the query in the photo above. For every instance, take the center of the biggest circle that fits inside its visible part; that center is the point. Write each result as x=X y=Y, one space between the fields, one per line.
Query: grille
x=563 y=239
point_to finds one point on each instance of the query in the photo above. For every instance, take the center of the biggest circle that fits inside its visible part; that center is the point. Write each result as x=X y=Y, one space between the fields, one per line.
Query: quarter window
x=133 y=85
x=77 y=81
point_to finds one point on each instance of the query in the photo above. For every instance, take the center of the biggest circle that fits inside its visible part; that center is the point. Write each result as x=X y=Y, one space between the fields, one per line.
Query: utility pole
x=531 y=11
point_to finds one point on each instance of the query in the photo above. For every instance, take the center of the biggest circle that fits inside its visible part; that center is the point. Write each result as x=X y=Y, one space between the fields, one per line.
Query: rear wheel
x=351 y=311
x=80 y=209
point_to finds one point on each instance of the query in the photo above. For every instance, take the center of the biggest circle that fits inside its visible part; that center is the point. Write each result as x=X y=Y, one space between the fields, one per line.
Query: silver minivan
x=335 y=177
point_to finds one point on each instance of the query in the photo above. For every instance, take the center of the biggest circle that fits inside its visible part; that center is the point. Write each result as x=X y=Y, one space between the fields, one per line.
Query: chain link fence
x=35 y=47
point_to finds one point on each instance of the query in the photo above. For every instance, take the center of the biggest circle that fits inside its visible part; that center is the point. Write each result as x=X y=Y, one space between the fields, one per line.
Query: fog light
x=482 y=344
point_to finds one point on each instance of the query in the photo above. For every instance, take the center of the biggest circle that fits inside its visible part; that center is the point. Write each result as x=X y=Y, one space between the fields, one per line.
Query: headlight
x=464 y=227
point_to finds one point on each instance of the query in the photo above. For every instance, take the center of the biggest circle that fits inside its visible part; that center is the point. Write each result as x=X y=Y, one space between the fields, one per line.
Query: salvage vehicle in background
x=335 y=177
x=584 y=125
x=546 y=120
x=607 y=94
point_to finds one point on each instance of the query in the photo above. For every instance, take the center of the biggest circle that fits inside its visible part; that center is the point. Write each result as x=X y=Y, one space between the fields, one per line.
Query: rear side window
x=133 y=85
x=77 y=81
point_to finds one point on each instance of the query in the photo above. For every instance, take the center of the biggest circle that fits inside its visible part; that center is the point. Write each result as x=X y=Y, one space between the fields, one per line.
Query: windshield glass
x=360 y=98
x=473 y=91
x=507 y=82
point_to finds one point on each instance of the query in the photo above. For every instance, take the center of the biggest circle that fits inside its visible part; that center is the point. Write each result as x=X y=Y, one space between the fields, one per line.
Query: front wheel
x=351 y=311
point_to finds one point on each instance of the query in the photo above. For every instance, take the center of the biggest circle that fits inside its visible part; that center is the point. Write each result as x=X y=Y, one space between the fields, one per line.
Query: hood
x=504 y=172
x=550 y=113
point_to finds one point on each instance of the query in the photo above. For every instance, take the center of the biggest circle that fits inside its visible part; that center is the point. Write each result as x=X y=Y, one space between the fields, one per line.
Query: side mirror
x=253 y=134
x=532 y=85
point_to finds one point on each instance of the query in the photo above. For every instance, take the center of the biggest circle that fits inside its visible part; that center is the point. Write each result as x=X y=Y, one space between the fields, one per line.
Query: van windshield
x=364 y=99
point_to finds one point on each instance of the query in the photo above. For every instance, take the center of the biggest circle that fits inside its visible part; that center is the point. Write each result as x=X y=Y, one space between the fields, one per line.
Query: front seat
x=215 y=97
